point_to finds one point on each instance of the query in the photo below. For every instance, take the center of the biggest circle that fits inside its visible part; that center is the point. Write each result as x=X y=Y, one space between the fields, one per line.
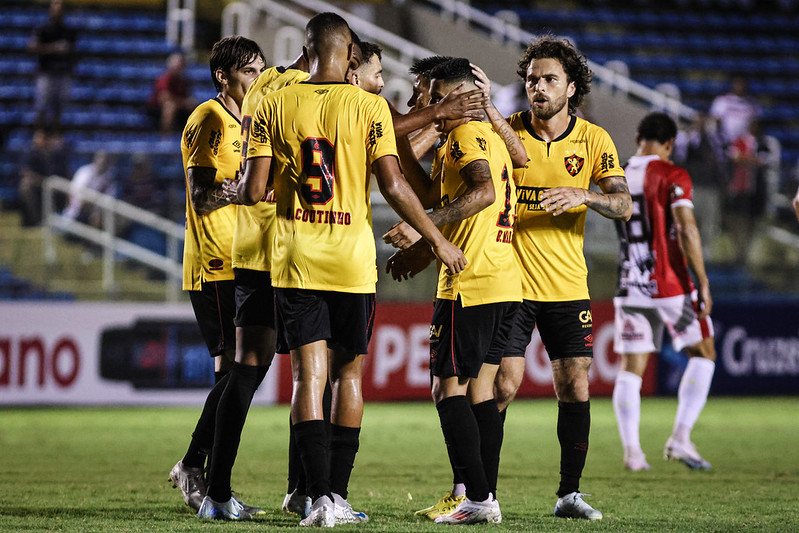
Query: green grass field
x=106 y=469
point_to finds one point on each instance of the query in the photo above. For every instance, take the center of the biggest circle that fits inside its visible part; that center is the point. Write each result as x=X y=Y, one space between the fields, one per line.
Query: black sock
x=314 y=454
x=502 y=415
x=456 y=474
x=574 y=424
x=295 y=465
x=463 y=436
x=202 y=440
x=490 y=425
x=230 y=417
x=344 y=442
x=219 y=374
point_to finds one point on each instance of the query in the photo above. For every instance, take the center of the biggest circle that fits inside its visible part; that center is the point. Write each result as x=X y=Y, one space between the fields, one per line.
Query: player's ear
x=571 y=89
x=305 y=55
x=220 y=76
x=355 y=79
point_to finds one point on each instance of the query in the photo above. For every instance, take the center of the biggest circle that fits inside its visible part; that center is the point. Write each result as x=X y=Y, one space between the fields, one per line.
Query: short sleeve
x=260 y=141
x=605 y=157
x=202 y=138
x=380 y=140
x=680 y=188
x=465 y=145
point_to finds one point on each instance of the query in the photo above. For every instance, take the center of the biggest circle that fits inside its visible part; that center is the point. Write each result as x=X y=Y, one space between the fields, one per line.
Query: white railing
x=106 y=236
x=180 y=16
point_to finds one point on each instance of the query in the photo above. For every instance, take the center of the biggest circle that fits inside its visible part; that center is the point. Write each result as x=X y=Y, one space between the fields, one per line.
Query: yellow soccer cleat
x=445 y=505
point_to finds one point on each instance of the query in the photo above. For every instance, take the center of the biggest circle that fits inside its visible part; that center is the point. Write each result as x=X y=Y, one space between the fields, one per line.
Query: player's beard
x=550 y=109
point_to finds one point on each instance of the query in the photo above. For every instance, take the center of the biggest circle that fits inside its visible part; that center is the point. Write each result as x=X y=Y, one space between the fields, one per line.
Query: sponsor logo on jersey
x=607 y=162
x=589 y=339
x=258 y=131
x=322 y=91
x=585 y=317
x=191 y=136
x=375 y=132
x=574 y=164
x=216 y=264
x=530 y=197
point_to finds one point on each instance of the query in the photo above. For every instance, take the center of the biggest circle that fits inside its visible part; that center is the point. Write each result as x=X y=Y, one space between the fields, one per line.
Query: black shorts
x=343 y=319
x=255 y=299
x=566 y=329
x=215 y=308
x=463 y=338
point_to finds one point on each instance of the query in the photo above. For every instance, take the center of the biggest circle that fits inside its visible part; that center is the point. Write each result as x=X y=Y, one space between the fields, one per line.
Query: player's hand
x=450 y=255
x=705 y=302
x=407 y=263
x=558 y=200
x=230 y=190
x=401 y=235
x=482 y=81
x=458 y=104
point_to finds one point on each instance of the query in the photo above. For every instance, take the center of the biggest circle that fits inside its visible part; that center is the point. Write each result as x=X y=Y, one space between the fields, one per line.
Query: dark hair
x=370 y=49
x=324 y=29
x=232 y=53
x=423 y=66
x=453 y=70
x=573 y=62
x=657 y=127
x=355 y=38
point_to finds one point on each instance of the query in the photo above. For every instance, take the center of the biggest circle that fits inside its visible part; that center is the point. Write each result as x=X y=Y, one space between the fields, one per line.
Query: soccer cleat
x=469 y=512
x=229 y=510
x=191 y=482
x=573 y=506
x=323 y=513
x=345 y=514
x=685 y=453
x=445 y=505
x=636 y=462
x=252 y=511
x=295 y=503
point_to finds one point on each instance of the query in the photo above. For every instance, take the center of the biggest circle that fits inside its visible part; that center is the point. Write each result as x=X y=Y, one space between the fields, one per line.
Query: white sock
x=692 y=395
x=459 y=489
x=627 y=404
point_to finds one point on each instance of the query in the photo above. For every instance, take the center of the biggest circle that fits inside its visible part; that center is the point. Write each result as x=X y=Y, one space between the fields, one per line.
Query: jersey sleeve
x=260 y=141
x=680 y=188
x=203 y=138
x=465 y=145
x=605 y=157
x=380 y=140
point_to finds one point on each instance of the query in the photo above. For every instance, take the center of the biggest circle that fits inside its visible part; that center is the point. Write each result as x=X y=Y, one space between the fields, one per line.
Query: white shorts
x=639 y=329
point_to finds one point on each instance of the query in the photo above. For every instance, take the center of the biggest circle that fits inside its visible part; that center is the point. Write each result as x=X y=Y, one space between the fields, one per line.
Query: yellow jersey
x=492 y=274
x=255 y=224
x=211 y=138
x=550 y=248
x=323 y=139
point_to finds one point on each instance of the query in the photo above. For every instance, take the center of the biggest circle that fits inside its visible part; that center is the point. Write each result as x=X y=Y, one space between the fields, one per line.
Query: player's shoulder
x=209 y=110
x=589 y=129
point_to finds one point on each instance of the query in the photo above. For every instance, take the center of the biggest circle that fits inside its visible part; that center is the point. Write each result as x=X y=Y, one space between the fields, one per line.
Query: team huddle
x=280 y=257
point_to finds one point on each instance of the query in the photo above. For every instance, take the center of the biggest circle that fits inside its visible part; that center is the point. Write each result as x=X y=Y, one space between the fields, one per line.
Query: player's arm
x=251 y=187
x=691 y=244
x=455 y=105
x=479 y=194
x=400 y=197
x=428 y=190
x=513 y=143
x=613 y=202
x=206 y=195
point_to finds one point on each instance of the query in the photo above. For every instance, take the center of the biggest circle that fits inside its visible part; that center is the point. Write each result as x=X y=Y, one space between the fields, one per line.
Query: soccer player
x=211 y=149
x=321 y=139
x=369 y=74
x=474 y=310
x=566 y=155
x=660 y=248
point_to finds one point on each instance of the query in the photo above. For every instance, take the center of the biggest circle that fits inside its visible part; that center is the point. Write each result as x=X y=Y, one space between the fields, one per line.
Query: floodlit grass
x=106 y=469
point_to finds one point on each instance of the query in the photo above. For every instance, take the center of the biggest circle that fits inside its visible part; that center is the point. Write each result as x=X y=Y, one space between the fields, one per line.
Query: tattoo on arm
x=478 y=195
x=206 y=196
x=615 y=202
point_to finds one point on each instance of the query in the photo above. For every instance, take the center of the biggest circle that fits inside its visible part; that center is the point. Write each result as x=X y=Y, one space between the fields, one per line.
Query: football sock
x=457 y=481
x=574 y=424
x=202 y=439
x=314 y=454
x=459 y=489
x=692 y=395
x=219 y=374
x=627 y=405
x=490 y=425
x=463 y=436
x=502 y=415
x=295 y=465
x=344 y=442
x=230 y=417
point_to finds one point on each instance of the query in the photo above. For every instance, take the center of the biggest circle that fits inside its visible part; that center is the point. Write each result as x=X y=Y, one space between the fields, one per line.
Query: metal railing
x=106 y=236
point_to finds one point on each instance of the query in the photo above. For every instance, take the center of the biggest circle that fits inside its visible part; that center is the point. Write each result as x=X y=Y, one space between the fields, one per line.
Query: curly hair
x=573 y=62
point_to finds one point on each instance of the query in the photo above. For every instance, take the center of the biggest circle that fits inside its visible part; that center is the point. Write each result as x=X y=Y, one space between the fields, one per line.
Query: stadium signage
x=743 y=355
x=29 y=360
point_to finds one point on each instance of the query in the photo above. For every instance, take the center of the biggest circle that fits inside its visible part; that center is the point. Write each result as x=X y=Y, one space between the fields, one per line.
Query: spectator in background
x=171 y=101
x=97 y=176
x=46 y=157
x=54 y=45
x=735 y=110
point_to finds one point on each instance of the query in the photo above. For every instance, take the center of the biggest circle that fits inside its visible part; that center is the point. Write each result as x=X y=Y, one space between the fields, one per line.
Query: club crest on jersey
x=574 y=164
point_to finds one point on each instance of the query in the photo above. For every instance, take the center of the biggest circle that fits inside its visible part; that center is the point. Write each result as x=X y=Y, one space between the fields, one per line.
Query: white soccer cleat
x=229 y=510
x=636 y=462
x=573 y=506
x=469 y=512
x=323 y=513
x=191 y=483
x=345 y=514
x=684 y=452
x=251 y=510
x=295 y=503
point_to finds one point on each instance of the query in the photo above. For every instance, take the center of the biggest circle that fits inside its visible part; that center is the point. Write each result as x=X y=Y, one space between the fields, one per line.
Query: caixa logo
x=30 y=360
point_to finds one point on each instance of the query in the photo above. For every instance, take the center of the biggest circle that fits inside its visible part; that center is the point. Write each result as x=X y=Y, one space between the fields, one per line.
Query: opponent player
x=566 y=155
x=474 y=310
x=660 y=248
x=211 y=153
x=321 y=182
